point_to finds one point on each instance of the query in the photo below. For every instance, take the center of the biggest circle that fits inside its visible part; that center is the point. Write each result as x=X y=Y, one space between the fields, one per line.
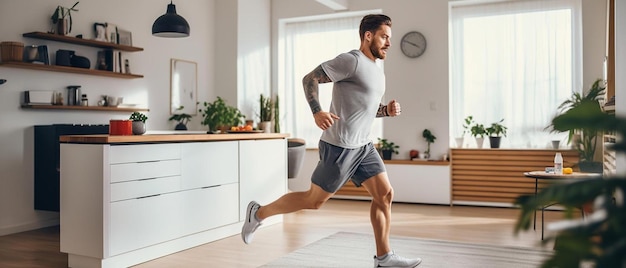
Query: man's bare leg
x=314 y=198
x=380 y=210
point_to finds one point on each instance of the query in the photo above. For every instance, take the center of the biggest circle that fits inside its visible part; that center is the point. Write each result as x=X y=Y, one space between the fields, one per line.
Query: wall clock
x=413 y=44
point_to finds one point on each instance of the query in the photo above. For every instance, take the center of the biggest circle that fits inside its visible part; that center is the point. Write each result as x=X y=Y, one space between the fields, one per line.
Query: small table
x=542 y=175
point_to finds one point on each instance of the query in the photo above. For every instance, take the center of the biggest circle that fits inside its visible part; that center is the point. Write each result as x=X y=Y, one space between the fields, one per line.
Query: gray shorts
x=337 y=165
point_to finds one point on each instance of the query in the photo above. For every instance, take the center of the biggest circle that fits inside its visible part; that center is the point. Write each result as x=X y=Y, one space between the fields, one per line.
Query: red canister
x=120 y=127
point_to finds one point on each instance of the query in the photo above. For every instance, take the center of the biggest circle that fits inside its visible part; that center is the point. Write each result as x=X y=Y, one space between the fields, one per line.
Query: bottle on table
x=558 y=164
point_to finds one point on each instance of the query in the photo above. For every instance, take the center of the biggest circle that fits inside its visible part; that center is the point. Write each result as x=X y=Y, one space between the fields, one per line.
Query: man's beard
x=376 y=52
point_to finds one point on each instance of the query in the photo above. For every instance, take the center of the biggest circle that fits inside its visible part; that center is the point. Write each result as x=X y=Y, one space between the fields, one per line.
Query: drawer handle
x=212 y=186
x=147 y=179
x=147 y=196
x=149 y=161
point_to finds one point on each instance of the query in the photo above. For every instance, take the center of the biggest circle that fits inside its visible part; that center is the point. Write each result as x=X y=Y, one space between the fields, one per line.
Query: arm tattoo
x=382 y=111
x=311 y=87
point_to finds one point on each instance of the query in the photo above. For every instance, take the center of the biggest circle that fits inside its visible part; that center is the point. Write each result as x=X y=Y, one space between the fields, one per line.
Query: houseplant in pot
x=495 y=132
x=478 y=132
x=181 y=118
x=139 y=123
x=387 y=148
x=584 y=139
x=467 y=122
x=220 y=116
x=266 y=106
x=430 y=138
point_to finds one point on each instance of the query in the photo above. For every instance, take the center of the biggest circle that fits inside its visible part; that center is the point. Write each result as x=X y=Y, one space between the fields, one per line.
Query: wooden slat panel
x=496 y=175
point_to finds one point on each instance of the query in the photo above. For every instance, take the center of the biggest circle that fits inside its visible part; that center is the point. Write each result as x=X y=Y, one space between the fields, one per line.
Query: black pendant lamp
x=170 y=24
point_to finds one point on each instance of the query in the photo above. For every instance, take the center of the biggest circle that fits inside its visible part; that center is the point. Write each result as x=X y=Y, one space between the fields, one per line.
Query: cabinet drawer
x=143 y=188
x=143 y=152
x=209 y=164
x=144 y=170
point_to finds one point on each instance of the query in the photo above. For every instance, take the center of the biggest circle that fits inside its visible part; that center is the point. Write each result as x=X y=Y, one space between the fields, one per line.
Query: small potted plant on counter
x=220 y=116
x=387 y=148
x=181 y=118
x=496 y=131
x=430 y=138
x=139 y=123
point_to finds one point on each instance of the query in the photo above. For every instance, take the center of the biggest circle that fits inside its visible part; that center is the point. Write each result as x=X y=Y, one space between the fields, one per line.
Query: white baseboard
x=6 y=230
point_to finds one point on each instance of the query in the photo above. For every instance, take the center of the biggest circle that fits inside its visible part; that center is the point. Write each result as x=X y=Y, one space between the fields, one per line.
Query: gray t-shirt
x=359 y=85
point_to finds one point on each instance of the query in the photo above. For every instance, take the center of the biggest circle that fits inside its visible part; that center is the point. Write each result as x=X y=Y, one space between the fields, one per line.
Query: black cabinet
x=47 y=160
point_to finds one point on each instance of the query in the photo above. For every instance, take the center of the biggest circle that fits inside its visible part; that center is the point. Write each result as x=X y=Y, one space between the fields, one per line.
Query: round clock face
x=413 y=44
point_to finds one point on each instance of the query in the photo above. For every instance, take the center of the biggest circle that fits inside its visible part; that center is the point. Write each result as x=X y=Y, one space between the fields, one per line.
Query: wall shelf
x=67 y=69
x=81 y=41
x=85 y=108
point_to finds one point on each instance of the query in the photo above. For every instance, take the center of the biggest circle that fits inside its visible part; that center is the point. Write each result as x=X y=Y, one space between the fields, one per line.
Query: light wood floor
x=40 y=248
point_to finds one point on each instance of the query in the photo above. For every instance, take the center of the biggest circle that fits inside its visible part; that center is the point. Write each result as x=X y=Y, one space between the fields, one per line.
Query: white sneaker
x=251 y=223
x=393 y=260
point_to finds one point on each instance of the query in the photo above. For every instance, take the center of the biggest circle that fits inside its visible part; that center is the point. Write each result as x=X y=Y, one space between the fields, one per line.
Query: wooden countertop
x=147 y=138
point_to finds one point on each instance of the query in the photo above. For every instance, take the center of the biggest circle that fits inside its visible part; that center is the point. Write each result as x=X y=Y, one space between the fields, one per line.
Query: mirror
x=183 y=87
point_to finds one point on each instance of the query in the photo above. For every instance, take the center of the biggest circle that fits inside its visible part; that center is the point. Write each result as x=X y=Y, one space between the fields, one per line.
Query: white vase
x=459 y=142
x=266 y=126
x=479 y=142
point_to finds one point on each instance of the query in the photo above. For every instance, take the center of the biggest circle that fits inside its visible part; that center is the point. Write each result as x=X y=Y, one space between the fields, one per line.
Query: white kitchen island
x=129 y=199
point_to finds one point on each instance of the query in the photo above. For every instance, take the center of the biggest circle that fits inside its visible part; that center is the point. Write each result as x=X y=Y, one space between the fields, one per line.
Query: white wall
x=137 y=16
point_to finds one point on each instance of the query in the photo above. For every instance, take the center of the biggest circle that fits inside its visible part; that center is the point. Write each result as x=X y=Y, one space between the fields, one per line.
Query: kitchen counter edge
x=109 y=139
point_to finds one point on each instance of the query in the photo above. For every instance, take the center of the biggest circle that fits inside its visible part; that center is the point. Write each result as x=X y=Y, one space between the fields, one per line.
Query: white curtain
x=304 y=45
x=517 y=61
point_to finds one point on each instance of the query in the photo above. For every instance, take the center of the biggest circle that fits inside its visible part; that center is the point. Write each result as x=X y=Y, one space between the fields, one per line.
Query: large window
x=517 y=61
x=304 y=44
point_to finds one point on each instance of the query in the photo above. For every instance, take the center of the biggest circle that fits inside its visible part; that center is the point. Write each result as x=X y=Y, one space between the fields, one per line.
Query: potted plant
x=467 y=122
x=220 y=116
x=387 y=148
x=495 y=132
x=430 y=138
x=584 y=139
x=266 y=106
x=181 y=118
x=599 y=238
x=139 y=123
x=478 y=132
x=62 y=19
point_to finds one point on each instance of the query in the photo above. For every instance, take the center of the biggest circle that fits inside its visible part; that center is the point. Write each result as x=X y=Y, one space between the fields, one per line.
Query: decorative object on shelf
x=182 y=119
x=387 y=148
x=430 y=138
x=265 y=113
x=62 y=19
x=139 y=123
x=495 y=132
x=11 y=51
x=80 y=62
x=478 y=132
x=73 y=93
x=414 y=154
x=124 y=37
x=170 y=24
x=183 y=86
x=220 y=116
x=584 y=139
x=64 y=57
x=466 y=126
x=112 y=101
x=100 y=31
x=598 y=239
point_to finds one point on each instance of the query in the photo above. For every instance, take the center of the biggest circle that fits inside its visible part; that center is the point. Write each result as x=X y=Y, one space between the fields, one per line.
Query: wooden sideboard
x=495 y=176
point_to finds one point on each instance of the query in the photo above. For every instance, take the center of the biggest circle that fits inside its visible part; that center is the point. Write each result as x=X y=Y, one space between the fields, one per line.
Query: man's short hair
x=372 y=22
